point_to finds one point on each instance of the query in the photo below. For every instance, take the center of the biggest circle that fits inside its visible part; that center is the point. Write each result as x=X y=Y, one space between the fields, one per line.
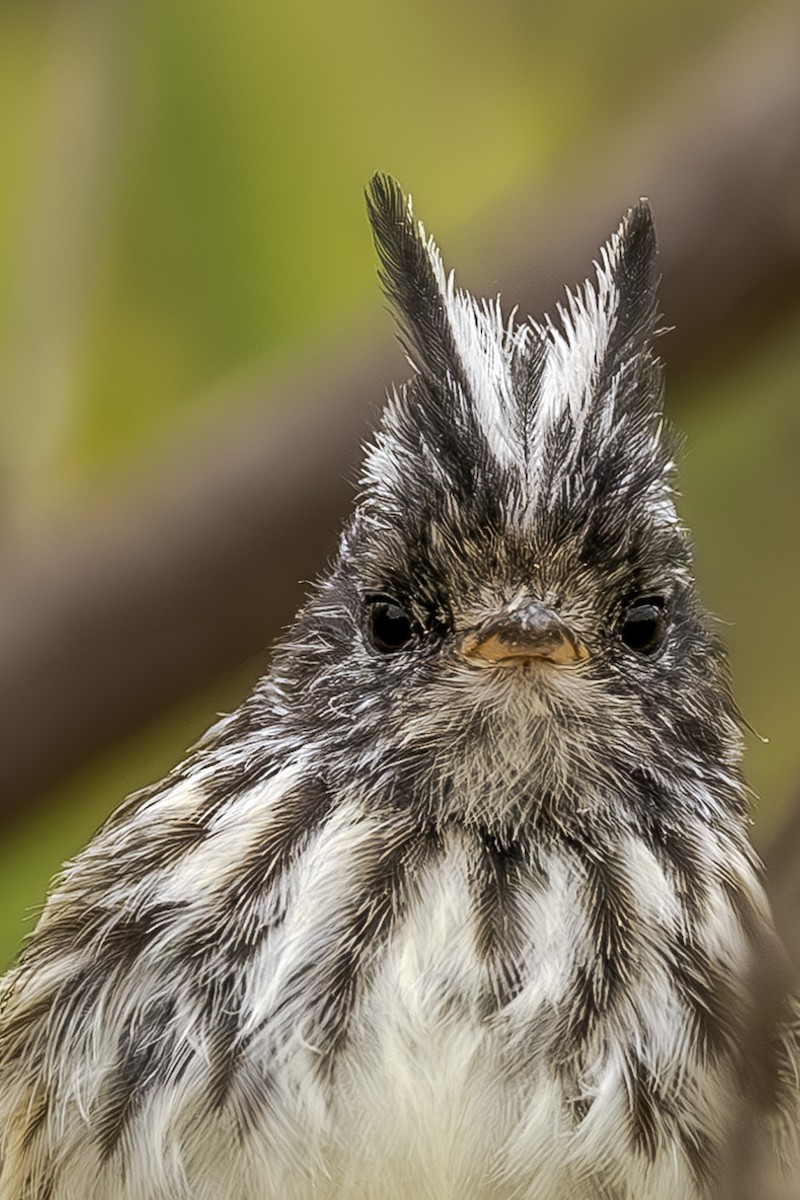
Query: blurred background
x=192 y=340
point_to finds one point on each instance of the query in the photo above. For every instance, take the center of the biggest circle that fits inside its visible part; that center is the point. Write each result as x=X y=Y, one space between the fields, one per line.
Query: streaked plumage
x=457 y=919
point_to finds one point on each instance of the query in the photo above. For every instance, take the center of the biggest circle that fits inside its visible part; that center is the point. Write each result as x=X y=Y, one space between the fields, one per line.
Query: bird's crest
x=541 y=400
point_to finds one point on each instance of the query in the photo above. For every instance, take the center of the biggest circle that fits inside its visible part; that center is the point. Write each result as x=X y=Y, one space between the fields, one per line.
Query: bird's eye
x=643 y=625
x=389 y=627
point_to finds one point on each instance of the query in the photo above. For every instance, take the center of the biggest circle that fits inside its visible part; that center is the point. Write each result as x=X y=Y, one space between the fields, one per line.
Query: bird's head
x=513 y=604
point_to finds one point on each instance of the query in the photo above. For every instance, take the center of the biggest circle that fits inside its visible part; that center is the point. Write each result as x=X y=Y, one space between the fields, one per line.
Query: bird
x=460 y=903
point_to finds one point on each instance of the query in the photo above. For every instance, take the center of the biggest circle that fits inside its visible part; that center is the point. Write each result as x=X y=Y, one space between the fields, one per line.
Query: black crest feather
x=408 y=279
x=634 y=275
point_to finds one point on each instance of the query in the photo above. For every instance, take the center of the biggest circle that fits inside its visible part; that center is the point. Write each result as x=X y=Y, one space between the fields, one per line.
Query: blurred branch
x=106 y=622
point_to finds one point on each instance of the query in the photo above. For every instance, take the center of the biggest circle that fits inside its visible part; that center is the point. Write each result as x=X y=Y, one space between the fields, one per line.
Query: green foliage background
x=181 y=205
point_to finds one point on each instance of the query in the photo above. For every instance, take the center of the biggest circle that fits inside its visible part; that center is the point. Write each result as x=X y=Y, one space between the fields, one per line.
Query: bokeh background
x=191 y=334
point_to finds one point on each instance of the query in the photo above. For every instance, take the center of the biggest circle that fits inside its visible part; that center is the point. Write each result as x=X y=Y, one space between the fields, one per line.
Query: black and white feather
x=460 y=903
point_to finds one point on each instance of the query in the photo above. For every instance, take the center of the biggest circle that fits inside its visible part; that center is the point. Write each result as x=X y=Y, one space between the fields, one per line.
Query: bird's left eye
x=643 y=625
x=388 y=626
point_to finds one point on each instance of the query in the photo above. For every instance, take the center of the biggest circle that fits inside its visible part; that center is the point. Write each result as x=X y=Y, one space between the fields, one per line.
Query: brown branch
x=106 y=622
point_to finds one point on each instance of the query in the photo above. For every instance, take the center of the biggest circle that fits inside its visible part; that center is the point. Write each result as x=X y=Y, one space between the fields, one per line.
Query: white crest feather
x=576 y=351
x=484 y=348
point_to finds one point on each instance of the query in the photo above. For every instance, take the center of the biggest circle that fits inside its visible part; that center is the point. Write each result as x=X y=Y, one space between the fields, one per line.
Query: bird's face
x=478 y=651
x=513 y=599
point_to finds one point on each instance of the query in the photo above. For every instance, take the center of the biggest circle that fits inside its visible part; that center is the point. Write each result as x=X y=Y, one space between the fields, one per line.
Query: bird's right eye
x=389 y=627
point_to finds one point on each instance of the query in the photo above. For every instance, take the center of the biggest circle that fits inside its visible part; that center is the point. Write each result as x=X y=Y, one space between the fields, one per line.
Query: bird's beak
x=532 y=632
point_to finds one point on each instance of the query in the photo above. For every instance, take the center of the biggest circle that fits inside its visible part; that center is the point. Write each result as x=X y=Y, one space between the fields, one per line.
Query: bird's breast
x=491 y=1049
